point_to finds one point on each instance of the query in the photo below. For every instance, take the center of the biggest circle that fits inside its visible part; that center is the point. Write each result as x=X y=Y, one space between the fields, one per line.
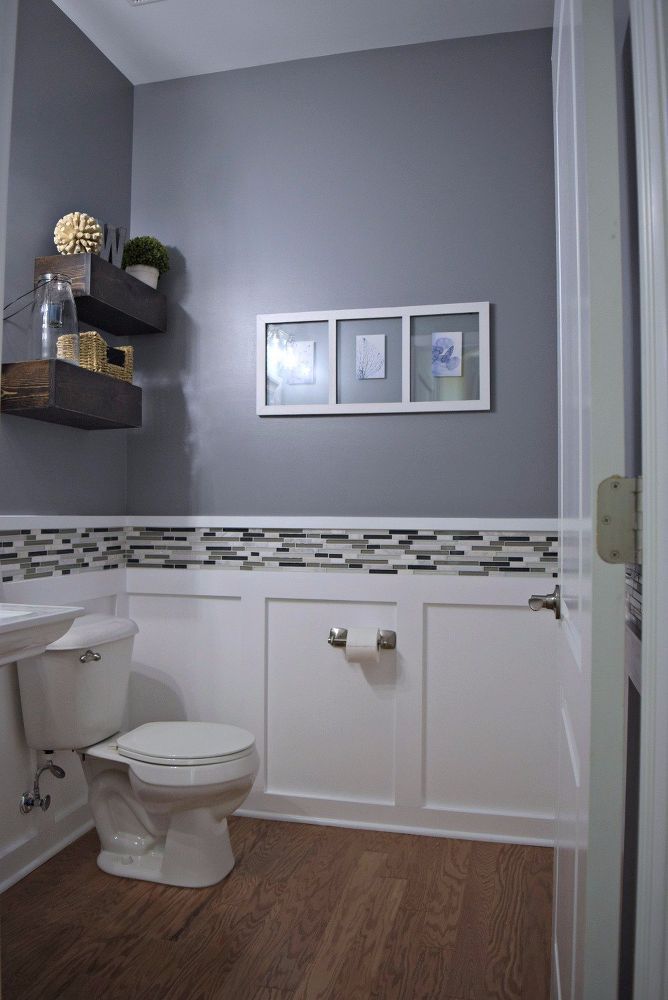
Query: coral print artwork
x=446 y=354
x=370 y=356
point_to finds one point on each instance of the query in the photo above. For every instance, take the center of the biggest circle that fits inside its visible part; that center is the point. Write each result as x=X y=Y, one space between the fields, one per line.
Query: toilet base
x=180 y=860
x=165 y=823
x=141 y=866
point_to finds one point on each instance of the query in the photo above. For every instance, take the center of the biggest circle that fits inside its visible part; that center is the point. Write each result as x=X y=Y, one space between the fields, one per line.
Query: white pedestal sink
x=27 y=629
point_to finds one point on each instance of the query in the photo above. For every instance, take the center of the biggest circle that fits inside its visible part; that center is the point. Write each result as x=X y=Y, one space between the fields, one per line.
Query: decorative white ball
x=78 y=233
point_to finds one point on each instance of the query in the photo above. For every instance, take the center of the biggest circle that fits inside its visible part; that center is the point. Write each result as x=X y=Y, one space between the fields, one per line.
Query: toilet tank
x=74 y=694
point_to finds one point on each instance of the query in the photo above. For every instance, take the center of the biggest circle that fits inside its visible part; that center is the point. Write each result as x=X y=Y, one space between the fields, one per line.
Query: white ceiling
x=173 y=38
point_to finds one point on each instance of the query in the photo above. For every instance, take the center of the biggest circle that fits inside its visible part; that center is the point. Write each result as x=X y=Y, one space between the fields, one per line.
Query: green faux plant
x=148 y=251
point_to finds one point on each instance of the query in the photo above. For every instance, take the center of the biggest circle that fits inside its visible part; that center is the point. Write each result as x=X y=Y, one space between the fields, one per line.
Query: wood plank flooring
x=308 y=913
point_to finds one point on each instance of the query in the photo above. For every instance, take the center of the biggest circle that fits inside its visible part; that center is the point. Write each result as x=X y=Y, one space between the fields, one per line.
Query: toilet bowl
x=160 y=797
x=160 y=794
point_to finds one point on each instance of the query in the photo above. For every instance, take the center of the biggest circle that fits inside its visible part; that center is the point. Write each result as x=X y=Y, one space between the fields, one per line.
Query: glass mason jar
x=55 y=330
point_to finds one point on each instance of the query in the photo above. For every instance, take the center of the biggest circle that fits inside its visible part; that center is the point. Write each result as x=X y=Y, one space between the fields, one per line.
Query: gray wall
x=401 y=176
x=71 y=148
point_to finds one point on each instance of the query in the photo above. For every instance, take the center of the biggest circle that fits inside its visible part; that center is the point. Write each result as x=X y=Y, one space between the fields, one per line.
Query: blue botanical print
x=444 y=361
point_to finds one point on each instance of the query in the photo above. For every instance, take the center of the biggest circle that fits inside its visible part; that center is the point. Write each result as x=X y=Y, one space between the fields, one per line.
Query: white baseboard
x=13 y=867
x=487 y=826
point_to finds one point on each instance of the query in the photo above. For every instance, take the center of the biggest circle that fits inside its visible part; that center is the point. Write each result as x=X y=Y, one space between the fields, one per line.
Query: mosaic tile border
x=35 y=553
x=393 y=551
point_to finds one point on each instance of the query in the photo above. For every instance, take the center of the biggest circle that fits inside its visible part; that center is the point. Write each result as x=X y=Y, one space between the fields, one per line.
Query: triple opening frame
x=323 y=376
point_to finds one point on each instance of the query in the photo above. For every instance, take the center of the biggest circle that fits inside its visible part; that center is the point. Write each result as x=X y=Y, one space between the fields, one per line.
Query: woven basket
x=66 y=347
x=94 y=355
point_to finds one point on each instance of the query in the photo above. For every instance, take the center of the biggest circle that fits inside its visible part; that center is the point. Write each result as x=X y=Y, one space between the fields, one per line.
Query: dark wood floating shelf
x=61 y=393
x=108 y=298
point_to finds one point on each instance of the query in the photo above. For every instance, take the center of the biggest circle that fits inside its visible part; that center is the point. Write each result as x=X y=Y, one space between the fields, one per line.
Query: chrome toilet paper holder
x=386 y=639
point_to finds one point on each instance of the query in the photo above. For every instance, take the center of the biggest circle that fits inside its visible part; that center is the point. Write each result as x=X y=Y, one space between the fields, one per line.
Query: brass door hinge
x=619 y=520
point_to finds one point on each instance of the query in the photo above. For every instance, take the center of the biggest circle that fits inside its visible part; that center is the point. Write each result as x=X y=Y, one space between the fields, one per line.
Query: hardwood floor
x=308 y=913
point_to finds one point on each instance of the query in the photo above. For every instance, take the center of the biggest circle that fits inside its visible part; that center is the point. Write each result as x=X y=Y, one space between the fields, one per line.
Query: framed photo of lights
x=415 y=359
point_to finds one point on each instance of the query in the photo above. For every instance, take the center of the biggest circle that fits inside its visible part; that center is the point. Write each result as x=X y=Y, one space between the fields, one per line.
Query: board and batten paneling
x=330 y=722
x=445 y=736
x=486 y=679
x=451 y=734
x=27 y=841
x=189 y=662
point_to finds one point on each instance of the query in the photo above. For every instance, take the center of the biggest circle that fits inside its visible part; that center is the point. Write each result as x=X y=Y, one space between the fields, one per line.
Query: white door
x=590 y=809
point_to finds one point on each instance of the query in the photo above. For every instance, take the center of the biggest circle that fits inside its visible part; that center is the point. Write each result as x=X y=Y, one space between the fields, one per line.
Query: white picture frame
x=406 y=404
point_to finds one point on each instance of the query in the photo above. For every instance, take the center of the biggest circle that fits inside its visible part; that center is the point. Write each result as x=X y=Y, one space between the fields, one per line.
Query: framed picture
x=301 y=369
x=370 y=356
x=412 y=359
x=296 y=363
x=446 y=354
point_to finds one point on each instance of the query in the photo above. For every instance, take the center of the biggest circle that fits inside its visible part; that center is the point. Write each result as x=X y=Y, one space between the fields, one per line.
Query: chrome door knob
x=547 y=602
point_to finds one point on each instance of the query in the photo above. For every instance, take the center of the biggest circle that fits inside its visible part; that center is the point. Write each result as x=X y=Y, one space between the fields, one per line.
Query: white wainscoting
x=27 y=841
x=454 y=733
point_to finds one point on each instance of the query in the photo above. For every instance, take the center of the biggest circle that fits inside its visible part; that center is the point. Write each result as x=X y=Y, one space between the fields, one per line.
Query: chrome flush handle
x=547 y=602
x=89 y=655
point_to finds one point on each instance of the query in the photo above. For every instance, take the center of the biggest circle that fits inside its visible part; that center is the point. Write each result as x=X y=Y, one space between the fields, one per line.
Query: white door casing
x=649 y=36
x=590 y=808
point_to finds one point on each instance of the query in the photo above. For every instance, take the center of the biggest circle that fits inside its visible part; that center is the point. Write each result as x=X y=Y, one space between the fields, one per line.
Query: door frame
x=649 y=34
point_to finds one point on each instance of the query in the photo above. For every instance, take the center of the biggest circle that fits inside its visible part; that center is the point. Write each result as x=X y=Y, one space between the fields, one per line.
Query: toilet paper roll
x=362 y=645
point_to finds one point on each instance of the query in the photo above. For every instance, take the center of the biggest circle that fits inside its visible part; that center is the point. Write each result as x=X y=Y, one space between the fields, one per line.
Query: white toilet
x=160 y=794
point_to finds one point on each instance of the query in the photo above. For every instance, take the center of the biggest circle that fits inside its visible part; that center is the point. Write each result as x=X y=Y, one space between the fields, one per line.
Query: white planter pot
x=149 y=275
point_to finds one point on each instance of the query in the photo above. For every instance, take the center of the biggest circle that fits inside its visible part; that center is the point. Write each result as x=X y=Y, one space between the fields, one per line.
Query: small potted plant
x=145 y=258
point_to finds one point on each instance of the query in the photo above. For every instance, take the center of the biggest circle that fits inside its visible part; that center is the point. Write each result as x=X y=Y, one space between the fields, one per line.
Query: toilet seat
x=185 y=744
x=177 y=773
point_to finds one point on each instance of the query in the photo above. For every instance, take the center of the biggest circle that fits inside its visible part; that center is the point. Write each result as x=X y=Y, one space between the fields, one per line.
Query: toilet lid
x=185 y=743
x=94 y=630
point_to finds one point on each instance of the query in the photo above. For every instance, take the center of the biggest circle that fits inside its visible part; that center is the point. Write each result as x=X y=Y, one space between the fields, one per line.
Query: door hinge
x=619 y=520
